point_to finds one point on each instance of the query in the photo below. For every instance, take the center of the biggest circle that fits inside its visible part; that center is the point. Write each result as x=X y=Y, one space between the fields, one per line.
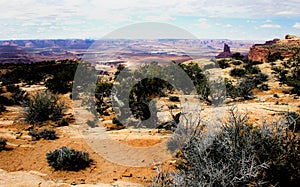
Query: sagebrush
x=43 y=106
x=238 y=154
x=66 y=158
x=44 y=133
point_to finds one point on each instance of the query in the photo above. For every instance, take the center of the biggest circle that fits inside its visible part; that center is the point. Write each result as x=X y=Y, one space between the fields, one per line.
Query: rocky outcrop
x=286 y=47
x=226 y=52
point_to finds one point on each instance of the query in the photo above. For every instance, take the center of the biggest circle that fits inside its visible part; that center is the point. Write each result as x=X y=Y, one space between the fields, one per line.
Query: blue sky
x=225 y=19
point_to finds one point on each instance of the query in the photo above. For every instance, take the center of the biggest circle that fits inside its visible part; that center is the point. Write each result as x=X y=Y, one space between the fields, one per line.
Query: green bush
x=102 y=92
x=34 y=135
x=2 y=108
x=236 y=62
x=238 y=72
x=43 y=106
x=66 y=158
x=231 y=90
x=116 y=121
x=237 y=56
x=62 y=122
x=223 y=63
x=45 y=134
x=48 y=134
x=62 y=81
x=173 y=107
x=239 y=154
x=275 y=56
x=251 y=69
x=264 y=87
x=3 y=143
x=174 y=98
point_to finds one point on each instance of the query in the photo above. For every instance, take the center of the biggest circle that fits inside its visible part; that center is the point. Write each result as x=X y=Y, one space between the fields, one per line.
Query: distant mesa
x=287 y=47
x=226 y=52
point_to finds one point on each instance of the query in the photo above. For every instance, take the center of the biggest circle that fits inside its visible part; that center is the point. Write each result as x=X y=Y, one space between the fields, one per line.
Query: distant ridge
x=27 y=51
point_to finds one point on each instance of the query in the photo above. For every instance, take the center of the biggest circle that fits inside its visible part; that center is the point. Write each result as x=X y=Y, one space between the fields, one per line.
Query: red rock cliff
x=286 y=47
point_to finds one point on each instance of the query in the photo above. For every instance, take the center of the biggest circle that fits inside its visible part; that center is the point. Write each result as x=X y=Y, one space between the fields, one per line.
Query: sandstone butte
x=286 y=47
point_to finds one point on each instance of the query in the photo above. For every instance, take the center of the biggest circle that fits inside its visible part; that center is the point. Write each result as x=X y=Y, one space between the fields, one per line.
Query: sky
x=93 y=19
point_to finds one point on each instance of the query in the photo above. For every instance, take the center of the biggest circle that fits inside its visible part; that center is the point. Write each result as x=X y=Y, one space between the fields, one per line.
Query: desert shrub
x=102 y=91
x=290 y=73
x=236 y=62
x=239 y=154
x=237 y=56
x=116 y=121
x=62 y=122
x=281 y=74
x=2 y=108
x=43 y=106
x=246 y=85
x=255 y=62
x=28 y=73
x=142 y=93
x=260 y=78
x=245 y=88
x=199 y=79
x=251 y=69
x=48 y=134
x=3 y=143
x=66 y=158
x=62 y=81
x=174 y=98
x=44 y=133
x=34 y=135
x=231 y=90
x=293 y=121
x=173 y=107
x=264 y=87
x=275 y=56
x=223 y=63
x=238 y=72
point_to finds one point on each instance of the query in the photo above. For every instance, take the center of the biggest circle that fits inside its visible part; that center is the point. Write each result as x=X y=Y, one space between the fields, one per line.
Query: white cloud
x=251 y=21
x=288 y=13
x=268 y=21
x=203 y=23
x=228 y=25
x=159 y=18
x=115 y=13
x=103 y=9
x=270 y=26
x=30 y=24
x=296 y=25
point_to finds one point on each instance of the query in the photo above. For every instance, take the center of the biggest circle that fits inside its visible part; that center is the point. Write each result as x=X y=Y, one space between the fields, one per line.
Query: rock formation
x=226 y=52
x=286 y=47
